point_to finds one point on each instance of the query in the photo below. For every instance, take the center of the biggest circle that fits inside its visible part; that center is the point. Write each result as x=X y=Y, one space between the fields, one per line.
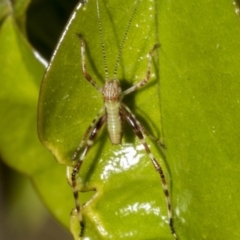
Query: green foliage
x=127 y=188
x=193 y=98
x=20 y=148
x=200 y=111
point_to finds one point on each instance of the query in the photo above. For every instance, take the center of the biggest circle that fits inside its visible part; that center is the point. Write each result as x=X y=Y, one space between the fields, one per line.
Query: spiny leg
x=78 y=165
x=90 y=128
x=143 y=129
x=138 y=131
x=84 y=69
x=148 y=73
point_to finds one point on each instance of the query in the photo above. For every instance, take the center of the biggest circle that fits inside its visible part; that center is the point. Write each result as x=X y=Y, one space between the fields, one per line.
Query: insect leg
x=78 y=165
x=84 y=69
x=148 y=73
x=143 y=129
x=90 y=128
x=138 y=131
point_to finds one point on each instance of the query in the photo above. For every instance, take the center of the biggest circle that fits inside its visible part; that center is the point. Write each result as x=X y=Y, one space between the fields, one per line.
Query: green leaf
x=200 y=111
x=129 y=200
x=20 y=147
x=198 y=74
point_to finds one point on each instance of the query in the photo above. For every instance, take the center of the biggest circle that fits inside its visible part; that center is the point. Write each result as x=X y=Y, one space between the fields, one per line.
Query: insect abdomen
x=114 y=123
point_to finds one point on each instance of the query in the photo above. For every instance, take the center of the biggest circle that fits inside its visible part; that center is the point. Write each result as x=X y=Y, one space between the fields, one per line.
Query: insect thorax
x=112 y=91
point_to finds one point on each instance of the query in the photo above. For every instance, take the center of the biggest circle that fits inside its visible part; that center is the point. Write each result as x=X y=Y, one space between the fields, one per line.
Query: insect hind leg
x=136 y=126
x=143 y=129
x=77 y=167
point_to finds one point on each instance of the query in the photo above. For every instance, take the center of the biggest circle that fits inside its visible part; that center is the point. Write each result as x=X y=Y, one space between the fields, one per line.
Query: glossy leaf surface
x=199 y=88
x=196 y=88
x=129 y=201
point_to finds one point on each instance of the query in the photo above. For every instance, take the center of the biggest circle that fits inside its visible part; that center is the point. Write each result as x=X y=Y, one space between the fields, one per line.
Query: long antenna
x=124 y=38
x=102 y=43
